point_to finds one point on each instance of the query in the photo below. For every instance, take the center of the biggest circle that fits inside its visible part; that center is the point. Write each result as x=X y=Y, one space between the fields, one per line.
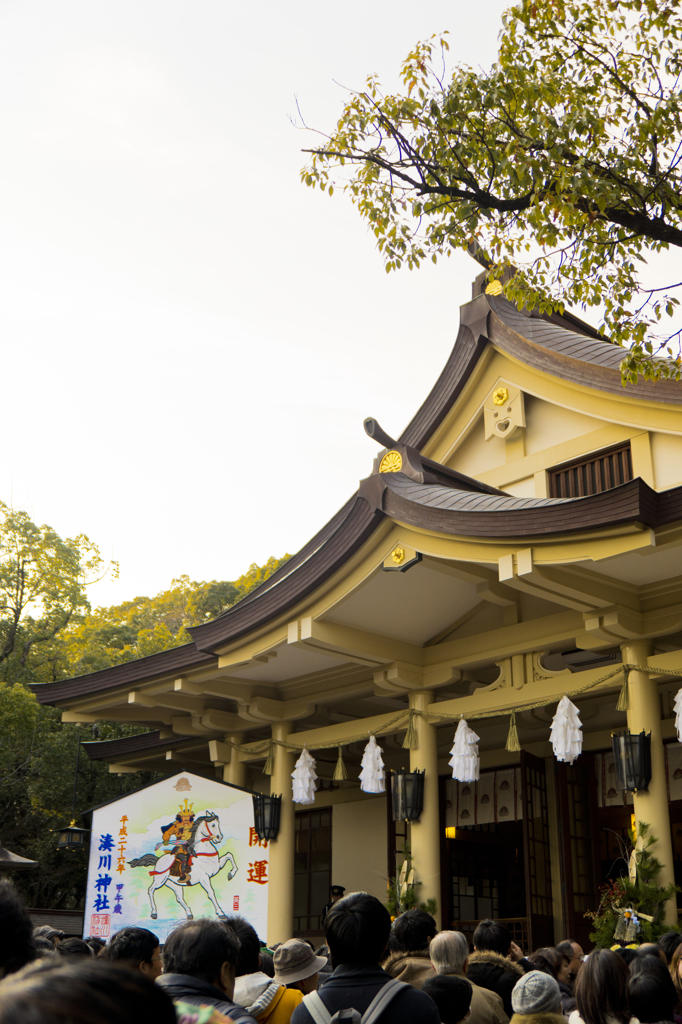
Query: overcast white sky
x=192 y=338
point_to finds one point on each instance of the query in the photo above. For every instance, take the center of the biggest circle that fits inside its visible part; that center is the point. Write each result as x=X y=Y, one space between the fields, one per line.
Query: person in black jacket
x=497 y=963
x=357 y=930
x=200 y=959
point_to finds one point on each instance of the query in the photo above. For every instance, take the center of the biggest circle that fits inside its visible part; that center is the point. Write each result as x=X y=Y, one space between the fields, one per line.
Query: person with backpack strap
x=359 y=991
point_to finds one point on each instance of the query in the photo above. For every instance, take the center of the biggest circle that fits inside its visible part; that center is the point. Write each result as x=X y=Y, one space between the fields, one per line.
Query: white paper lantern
x=465 y=762
x=372 y=778
x=678 y=715
x=304 y=777
x=566 y=736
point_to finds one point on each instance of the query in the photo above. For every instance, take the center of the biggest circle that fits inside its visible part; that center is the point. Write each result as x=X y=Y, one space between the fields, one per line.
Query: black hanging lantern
x=632 y=757
x=266 y=813
x=72 y=838
x=407 y=795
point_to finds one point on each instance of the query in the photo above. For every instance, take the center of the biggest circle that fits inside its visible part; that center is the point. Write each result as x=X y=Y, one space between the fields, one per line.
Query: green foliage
x=43 y=582
x=645 y=895
x=37 y=771
x=144 y=626
x=403 y=889
x=48 y=632
x=560 y=164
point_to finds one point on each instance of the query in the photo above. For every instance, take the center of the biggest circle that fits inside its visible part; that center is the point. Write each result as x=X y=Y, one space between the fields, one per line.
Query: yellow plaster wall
x=548 y=425
x=475 y=454
x=360 y=846
x=522 y=488
x=666 y=451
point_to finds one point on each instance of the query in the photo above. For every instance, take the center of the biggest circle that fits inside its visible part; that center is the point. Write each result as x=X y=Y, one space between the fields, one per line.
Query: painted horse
x=204 y=861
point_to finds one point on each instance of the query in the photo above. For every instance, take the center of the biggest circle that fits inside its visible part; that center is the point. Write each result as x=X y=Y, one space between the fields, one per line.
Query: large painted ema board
x=179 y=849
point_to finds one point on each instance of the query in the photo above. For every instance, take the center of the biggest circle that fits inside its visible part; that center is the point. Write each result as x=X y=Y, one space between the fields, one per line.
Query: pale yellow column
x=426 y=831
x=235 y=771
x=281 y=869
x=644 y=713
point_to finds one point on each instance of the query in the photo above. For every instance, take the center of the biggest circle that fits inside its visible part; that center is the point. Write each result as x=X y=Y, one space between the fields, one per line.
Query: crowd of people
x=370 y=971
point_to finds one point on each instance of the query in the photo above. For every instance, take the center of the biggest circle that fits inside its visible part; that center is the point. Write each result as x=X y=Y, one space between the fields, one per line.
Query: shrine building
x=520 y=540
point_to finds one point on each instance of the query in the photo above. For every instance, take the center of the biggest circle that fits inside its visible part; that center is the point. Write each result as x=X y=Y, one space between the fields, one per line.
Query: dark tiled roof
x=563 y=353
x=156 y=665
x=105 y=750
x=462 y=513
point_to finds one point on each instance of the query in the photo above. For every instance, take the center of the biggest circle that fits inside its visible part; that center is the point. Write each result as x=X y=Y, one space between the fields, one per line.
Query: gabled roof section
x=432 y=495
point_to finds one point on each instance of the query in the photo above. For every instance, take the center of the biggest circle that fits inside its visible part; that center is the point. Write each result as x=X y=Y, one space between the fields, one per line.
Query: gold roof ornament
x=392 y=462
x=500 y=396
x=494 y=288
x=398 y=555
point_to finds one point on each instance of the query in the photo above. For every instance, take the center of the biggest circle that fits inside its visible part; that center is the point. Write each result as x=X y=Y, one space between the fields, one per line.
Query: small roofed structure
x=13 y=862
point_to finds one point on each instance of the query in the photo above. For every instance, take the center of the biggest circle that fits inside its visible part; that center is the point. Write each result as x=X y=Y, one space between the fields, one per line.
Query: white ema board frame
x=179 y=849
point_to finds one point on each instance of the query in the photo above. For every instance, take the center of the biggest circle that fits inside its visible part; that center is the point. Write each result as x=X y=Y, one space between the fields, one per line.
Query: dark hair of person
x=492 y=936
x=414 y=930
x=43 y=946
x=249 y=946
x=266 y=964
x=200 y=948
x=649 y=949
x=674 y=970
x=452 y=996
x=566 y=947
x=95 y=943
x=133 y=945
x=601 y=988
x=57 y=991
x=53 y=935
x=669 y=943
x=16 y=935
x=626 y=955
x=357 y=929
x=651 y=994
x=549 y=960
x=74 y=949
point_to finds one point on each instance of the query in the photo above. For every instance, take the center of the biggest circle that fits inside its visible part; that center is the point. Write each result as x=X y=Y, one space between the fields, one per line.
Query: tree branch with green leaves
x=561 y=164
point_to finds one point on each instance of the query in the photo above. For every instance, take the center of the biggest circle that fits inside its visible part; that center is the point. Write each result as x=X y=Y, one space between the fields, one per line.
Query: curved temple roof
x=441 y=500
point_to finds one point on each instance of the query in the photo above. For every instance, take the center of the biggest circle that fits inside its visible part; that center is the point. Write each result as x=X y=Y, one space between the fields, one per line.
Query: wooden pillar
x=644 y=713
x=281 y=850
x=235 y=771
x=425 y=833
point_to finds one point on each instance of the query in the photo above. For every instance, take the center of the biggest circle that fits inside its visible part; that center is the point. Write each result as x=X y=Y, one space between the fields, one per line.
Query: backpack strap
x=316 y=1008
x=381 y=1000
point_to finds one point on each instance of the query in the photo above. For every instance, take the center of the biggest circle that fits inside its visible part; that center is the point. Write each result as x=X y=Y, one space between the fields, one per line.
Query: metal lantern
x=72 y=838
x=266 y=813
x=632 y=757
x=407 y=795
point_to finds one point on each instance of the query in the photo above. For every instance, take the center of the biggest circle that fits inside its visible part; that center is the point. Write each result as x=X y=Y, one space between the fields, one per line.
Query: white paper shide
x=465 y=761
x=372 y=776
x=566 y=736
x=305 y=779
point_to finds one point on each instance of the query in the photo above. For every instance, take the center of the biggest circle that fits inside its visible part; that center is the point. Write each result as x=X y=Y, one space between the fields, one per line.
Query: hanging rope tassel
x=624 y=698
x=411 y=741
x=269 y=760
x=340 y=773
x=513 y=737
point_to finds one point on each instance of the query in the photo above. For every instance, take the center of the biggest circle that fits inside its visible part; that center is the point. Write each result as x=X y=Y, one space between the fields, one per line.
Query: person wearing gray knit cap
x=536 y=999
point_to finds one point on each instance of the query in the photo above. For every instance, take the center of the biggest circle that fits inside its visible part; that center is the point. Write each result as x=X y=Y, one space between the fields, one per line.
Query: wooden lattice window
x=593 y=474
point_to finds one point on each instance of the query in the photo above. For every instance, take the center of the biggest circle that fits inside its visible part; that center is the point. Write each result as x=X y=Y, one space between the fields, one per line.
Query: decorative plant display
x=402 y=889
x=632 y=907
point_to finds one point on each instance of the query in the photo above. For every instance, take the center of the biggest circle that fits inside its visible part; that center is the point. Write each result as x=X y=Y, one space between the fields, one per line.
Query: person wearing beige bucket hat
x=297 y=966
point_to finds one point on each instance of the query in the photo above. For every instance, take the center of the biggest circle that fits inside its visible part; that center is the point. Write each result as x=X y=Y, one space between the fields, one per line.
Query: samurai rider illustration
x=187 y=855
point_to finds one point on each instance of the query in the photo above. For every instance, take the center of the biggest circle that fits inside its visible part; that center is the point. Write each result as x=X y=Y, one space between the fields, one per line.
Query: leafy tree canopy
x=144 y=626
x=43 y=582
x=561 y=164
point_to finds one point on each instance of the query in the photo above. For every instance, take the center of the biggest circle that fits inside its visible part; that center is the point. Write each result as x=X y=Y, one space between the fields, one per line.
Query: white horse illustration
x=205 y=863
